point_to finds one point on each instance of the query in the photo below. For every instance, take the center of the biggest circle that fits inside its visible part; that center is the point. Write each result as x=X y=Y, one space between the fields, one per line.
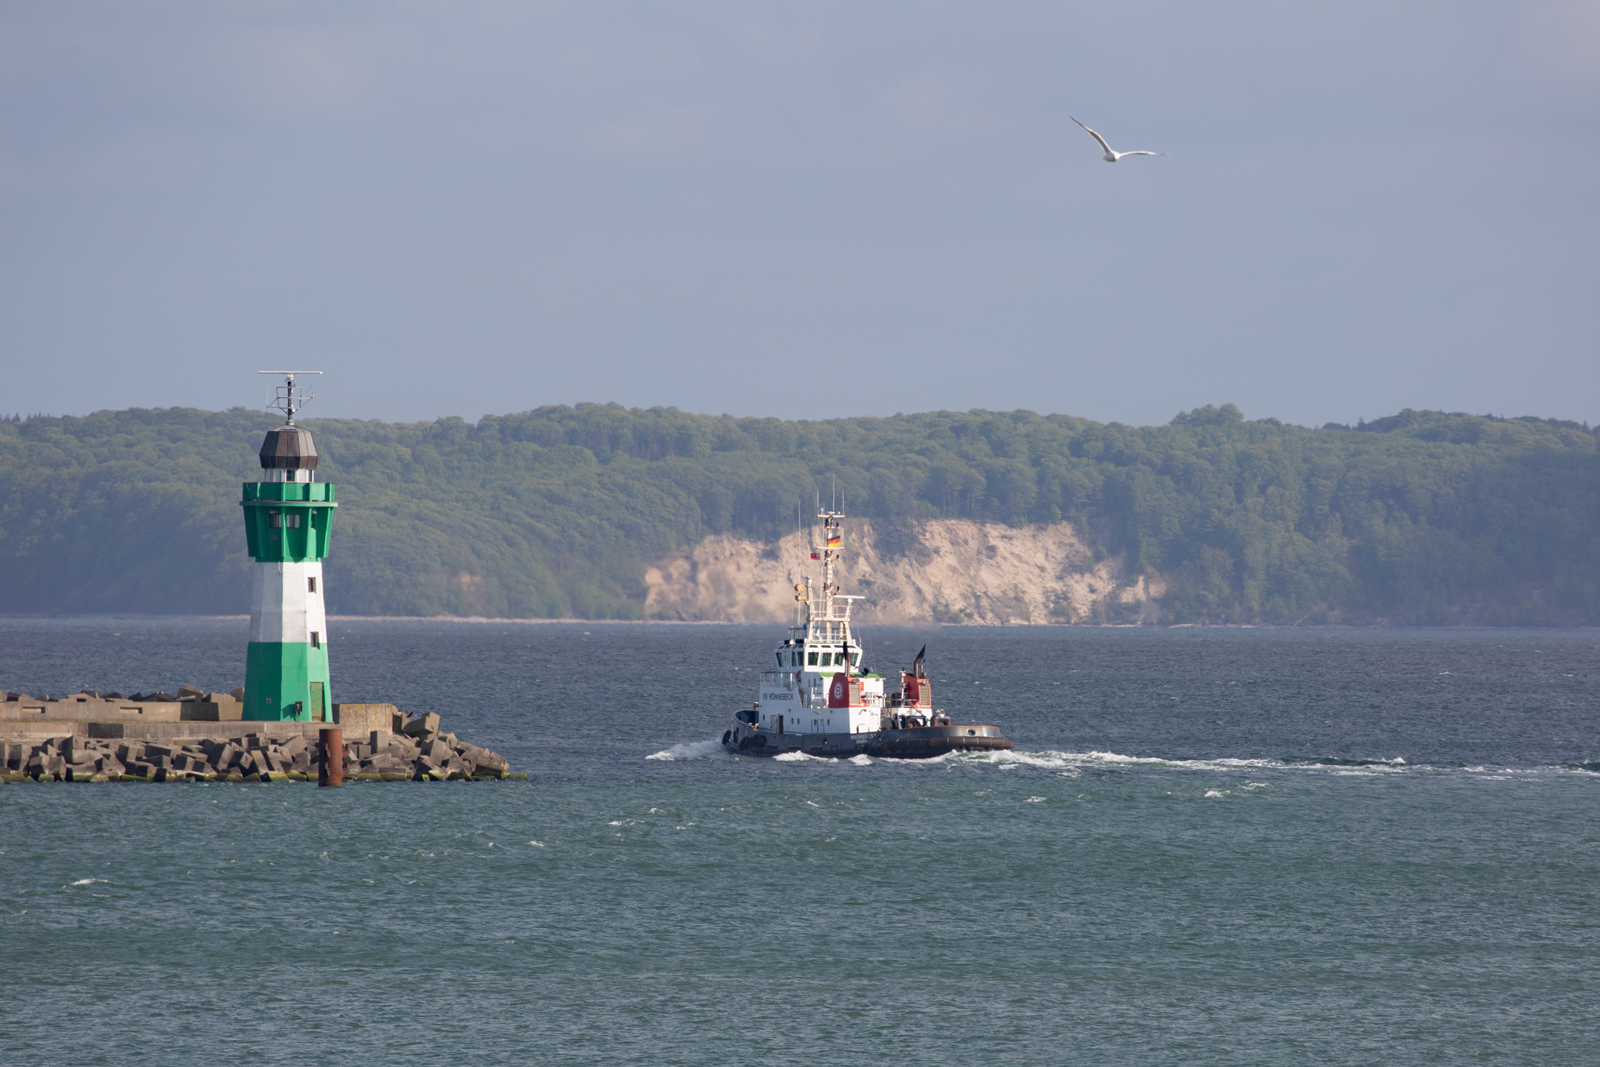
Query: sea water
x=1274 y=847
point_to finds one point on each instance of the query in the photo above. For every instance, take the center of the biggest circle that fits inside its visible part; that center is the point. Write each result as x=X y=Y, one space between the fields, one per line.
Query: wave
x=1071 y=764
x=692 y=750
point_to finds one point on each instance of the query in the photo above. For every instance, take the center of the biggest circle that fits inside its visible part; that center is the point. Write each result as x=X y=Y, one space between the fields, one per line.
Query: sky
x=802 y=210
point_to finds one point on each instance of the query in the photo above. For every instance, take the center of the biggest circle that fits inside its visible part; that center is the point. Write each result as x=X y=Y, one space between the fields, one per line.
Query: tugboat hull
x=925 y=742
x=917 y=742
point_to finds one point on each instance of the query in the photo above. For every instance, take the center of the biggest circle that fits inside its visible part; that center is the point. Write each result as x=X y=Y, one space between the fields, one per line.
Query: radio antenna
x=286 y=397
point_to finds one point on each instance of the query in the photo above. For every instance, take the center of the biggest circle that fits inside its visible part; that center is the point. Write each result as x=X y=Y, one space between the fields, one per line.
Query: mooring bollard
x=331 y=770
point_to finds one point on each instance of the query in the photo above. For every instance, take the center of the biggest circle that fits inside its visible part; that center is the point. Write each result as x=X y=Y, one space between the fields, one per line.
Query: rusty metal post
x=331 y=770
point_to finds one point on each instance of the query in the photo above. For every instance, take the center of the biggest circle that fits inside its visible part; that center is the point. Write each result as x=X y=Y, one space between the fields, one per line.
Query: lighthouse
x=287 y=517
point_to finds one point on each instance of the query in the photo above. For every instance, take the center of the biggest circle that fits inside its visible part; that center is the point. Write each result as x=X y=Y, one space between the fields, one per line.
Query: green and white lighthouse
x=287 y=517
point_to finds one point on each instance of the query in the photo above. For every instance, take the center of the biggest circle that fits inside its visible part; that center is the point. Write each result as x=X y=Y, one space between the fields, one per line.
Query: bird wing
x=1141 y=153
x=1096 y=136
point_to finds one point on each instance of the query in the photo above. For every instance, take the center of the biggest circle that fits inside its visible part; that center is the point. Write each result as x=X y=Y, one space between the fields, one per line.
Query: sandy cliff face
x=962 y=572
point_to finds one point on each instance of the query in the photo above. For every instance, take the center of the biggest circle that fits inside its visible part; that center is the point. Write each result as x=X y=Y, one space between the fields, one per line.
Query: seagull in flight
x=1110 y=156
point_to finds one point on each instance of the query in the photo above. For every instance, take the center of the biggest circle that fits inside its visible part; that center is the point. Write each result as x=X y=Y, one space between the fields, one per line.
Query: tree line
x=1420 y=518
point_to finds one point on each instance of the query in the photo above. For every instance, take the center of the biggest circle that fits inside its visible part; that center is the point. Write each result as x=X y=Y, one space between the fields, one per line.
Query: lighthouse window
x=811 y=659
x=316 y=639
x=311 y=585
x=294 y=522
x=274 y=520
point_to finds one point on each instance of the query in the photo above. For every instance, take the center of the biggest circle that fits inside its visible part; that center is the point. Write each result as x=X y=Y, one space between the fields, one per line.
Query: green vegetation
x=1420 y=518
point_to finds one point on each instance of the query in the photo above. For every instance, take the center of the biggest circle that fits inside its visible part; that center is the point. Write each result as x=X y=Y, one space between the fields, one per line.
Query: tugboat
x=820 y=702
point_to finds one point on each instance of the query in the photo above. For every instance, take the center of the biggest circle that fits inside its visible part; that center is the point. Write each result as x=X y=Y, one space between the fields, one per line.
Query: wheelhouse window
x=811 y=659
x=827 y=659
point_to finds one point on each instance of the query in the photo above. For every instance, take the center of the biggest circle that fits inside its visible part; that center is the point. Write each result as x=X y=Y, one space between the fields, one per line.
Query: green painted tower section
x=287 y=519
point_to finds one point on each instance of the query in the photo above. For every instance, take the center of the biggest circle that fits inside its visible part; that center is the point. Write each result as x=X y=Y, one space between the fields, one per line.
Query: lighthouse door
x=319 y=709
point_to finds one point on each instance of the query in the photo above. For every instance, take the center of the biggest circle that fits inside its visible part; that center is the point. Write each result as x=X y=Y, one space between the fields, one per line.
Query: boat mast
x=832 y=551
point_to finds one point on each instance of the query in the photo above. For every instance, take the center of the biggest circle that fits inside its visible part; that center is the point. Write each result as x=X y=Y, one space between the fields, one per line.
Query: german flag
x=833 y=540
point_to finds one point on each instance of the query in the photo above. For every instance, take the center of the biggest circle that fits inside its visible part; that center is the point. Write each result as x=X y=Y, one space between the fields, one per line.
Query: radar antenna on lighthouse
x=288 y=398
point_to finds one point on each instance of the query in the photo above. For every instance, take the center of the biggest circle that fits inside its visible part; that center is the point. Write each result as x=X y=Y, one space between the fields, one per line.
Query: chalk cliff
x=951 y=571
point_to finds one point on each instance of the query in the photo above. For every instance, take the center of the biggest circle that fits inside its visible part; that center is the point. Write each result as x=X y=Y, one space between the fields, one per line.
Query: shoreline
x=483 y=620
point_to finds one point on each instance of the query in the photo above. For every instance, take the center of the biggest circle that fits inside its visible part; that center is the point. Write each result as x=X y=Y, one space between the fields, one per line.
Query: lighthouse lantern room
x=287 y=517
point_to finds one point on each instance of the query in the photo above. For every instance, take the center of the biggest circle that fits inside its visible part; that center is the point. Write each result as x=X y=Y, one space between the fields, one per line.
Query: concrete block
x=358 y=719
x=492 y=761
x=438 y=751
x=428 y=723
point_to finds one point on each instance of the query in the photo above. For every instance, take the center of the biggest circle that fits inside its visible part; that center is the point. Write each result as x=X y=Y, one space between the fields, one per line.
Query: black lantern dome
x=288 y=448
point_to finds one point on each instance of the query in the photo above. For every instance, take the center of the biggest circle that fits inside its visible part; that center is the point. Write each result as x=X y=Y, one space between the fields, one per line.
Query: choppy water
x=1209 y=847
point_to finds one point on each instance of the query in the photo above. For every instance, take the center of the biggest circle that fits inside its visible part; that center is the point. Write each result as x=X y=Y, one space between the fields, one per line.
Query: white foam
x=88 y=881
x=1074 y=761
x=797 y=757
x=1219 y=792
x=861 y=760
x=693 y=750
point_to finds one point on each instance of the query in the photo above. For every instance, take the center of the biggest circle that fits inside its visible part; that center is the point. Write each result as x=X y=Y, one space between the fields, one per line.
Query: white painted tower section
x=286 y=605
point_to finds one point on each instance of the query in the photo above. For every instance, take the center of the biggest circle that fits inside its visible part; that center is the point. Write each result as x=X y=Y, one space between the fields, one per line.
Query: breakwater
x=88 y=737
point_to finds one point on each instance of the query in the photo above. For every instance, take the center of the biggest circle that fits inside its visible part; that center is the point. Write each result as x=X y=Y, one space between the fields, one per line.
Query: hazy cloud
x=1365 y=205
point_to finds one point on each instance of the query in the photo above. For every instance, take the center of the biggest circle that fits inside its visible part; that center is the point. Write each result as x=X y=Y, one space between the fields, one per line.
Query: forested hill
x=1419 y=518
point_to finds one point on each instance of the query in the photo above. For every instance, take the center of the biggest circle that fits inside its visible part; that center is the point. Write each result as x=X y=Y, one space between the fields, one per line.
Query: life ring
x=725 y=735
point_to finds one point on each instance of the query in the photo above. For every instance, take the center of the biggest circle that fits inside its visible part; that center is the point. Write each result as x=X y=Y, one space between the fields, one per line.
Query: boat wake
x=692 y=750
x=1074 y=763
